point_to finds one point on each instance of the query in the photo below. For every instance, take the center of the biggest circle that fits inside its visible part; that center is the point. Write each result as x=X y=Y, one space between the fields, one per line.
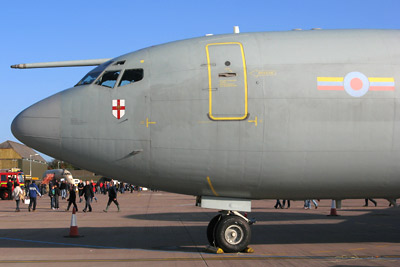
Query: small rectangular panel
x=222 y=203
x=227 y=76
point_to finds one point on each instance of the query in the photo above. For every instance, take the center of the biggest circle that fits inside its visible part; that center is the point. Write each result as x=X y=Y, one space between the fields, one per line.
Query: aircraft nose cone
x=39 y=126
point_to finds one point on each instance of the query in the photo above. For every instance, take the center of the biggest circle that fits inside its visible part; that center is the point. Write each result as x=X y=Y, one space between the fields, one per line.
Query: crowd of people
x=85 y=190
x=307 y=203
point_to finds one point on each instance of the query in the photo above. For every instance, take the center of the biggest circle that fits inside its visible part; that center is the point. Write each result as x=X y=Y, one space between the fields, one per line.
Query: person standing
x=101 y=187
x=88 y=194
x=72 y=198
x=42 y=189
x=93 y=185
x=56 y=197
x=97 y=187
x=33 y=192
x=52 y=194
x=122 y=187
x=278 y=204
x=370 y=199
x=63 y=188
x=284 y=203
x=80 y=190
x=307 y=203
x=9 y=188
x=112 y=196
x=18 y=195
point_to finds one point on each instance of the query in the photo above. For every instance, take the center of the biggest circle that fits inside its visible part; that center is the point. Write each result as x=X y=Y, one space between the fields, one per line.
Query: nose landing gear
x=229 y=231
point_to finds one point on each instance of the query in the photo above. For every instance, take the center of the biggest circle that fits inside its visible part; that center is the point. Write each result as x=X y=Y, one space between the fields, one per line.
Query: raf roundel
x=356 y=84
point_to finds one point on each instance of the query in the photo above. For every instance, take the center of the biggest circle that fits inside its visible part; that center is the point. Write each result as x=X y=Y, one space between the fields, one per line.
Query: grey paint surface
x=296 y=141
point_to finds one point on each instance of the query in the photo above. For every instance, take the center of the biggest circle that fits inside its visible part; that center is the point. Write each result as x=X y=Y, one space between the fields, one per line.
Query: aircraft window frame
x=121 y=62
x=141 y=70
x=97 y=82
x=99 y=70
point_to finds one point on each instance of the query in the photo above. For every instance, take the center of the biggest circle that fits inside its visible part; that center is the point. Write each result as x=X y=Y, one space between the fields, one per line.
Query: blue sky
x=41 y=31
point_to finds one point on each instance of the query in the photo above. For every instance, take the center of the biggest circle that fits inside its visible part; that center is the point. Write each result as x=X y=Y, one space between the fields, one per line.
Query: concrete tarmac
x=159 y=228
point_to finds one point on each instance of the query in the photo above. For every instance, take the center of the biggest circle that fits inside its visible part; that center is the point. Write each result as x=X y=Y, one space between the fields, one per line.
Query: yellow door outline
x=210 y=83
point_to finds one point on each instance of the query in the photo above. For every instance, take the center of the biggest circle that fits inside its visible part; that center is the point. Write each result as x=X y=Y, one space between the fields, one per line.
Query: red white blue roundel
x=118 y=108
x=356 y=84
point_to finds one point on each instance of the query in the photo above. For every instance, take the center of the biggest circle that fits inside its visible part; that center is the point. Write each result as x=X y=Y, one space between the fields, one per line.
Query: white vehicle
x=58 y=174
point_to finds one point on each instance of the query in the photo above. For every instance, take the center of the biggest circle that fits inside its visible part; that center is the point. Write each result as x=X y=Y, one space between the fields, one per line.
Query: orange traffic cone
x=333 y=209
x=73 y=230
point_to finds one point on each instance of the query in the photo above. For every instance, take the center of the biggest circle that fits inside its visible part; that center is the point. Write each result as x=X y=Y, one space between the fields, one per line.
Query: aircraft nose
x=39 y=126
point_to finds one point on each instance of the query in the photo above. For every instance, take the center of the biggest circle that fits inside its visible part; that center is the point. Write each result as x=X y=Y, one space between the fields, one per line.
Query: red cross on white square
x=118 y=108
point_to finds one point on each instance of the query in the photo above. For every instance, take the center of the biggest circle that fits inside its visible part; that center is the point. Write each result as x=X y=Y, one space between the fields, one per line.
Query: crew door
x=227 y=78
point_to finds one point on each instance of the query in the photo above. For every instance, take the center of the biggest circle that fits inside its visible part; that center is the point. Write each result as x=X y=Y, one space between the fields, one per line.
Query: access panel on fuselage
x=227 y=79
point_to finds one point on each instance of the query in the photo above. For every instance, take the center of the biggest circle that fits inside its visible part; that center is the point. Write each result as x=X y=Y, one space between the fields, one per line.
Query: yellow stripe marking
x=255 y=121
x=210 y=83
x=149 y=122
x=341 y=79
x=211 y=187
x=381 y=79
x=330 y=79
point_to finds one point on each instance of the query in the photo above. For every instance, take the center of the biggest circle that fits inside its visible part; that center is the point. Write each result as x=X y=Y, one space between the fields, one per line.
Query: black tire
x=233 y=234
x=211 y=229
x=4 y=194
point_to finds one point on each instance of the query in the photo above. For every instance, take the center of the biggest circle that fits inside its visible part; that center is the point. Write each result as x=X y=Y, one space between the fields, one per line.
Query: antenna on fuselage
x=57 y=64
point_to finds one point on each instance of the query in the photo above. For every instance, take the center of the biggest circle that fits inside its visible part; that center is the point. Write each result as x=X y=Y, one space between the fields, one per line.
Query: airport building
x=16 y=155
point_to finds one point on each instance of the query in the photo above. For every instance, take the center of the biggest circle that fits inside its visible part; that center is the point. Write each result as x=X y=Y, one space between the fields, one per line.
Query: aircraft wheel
x=211 y=229
x=232 y=234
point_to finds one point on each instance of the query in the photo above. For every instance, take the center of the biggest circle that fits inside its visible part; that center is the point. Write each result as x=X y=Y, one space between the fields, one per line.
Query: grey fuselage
x=250 y=115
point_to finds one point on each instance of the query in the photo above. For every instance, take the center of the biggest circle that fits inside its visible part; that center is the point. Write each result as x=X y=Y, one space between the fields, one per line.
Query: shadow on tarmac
x=294 y=228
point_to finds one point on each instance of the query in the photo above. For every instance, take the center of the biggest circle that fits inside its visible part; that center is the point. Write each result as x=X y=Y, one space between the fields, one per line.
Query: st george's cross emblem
x=118 y=108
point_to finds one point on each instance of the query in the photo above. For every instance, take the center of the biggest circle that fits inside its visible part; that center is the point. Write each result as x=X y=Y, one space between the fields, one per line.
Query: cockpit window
x=109 y=78
x=122 y=62
x=93 y=74
x=131 y=76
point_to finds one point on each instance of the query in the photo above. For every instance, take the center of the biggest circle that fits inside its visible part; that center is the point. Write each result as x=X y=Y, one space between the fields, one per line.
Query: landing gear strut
x=229 y=231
